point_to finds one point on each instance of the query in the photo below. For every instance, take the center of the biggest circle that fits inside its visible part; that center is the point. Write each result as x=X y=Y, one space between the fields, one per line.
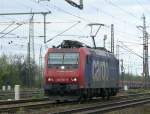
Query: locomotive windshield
x=63 y=58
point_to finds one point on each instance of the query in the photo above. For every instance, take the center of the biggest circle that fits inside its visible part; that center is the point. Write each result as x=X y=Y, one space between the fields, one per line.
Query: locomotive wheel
x=46 y=92
x=107 y=94
x=103 y=94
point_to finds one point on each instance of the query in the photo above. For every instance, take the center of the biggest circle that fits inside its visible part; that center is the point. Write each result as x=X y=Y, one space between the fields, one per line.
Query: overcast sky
x=124 y=14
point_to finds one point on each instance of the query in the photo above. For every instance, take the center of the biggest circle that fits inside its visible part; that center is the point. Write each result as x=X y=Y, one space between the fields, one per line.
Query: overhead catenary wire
x=82 y=18
x=106 y=13
x=9 y=33
x=38 y=22
x=144 y=8
x=39 y=4
x=22 y=4
x=121 y=9
x=115 y=17
x=11 y=30
x=62 y=10
x=133 y=43
x=130 y=50
x=123 y=21
x=79 y=36
x=7 y=27
x=15 y=37
x=125 y=33
x=69 y=13
x=63 y=31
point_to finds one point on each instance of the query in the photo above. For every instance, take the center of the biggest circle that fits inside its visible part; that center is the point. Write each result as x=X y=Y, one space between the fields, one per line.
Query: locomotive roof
x=102 y=52
x=95 y=51
x=72 y=44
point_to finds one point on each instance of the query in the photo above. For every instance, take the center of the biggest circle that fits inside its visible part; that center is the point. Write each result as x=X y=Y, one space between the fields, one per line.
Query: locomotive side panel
x=88 y=71
x=104 y=72
x=113 y=73
x=99 y=72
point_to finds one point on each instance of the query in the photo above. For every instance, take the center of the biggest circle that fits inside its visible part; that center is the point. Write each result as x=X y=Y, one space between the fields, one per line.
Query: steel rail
x=23 y=95
x=21 y=101
x=30 y=104
x=34 y=103
x=106 y=107
x=118 y=106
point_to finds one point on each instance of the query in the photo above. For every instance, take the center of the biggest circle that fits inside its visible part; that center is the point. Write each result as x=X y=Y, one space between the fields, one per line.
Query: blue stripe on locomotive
x=88 y=71
x=101 y=72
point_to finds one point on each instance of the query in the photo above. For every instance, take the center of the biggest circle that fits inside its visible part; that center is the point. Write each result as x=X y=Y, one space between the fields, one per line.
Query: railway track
x=23 y=94
x=13 y=106
x=107 y=107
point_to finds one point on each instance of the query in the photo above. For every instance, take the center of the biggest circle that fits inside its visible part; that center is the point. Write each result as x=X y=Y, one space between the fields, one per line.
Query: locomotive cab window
x=71 y=58
x=63 y=59
x=55 y=58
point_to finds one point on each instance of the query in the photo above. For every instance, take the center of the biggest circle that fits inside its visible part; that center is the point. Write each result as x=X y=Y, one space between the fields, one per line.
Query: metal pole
x=112 y=38
x=33 y=13
x=44 y=14
x=93 y=42
x=81 y=4
x=31 y=37
x=105 y=37
x=145 y=52
x=40 y=65
x=28 y=77
x=31 y=46
x=122 y=72
x=117 y=51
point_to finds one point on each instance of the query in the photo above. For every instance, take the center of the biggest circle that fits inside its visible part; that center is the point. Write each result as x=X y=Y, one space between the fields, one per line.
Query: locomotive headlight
x=62 y=67
x=74 y=79
x=50 y=79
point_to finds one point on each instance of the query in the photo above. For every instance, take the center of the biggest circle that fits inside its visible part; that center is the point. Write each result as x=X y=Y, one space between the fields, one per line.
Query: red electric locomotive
x=74 y=69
